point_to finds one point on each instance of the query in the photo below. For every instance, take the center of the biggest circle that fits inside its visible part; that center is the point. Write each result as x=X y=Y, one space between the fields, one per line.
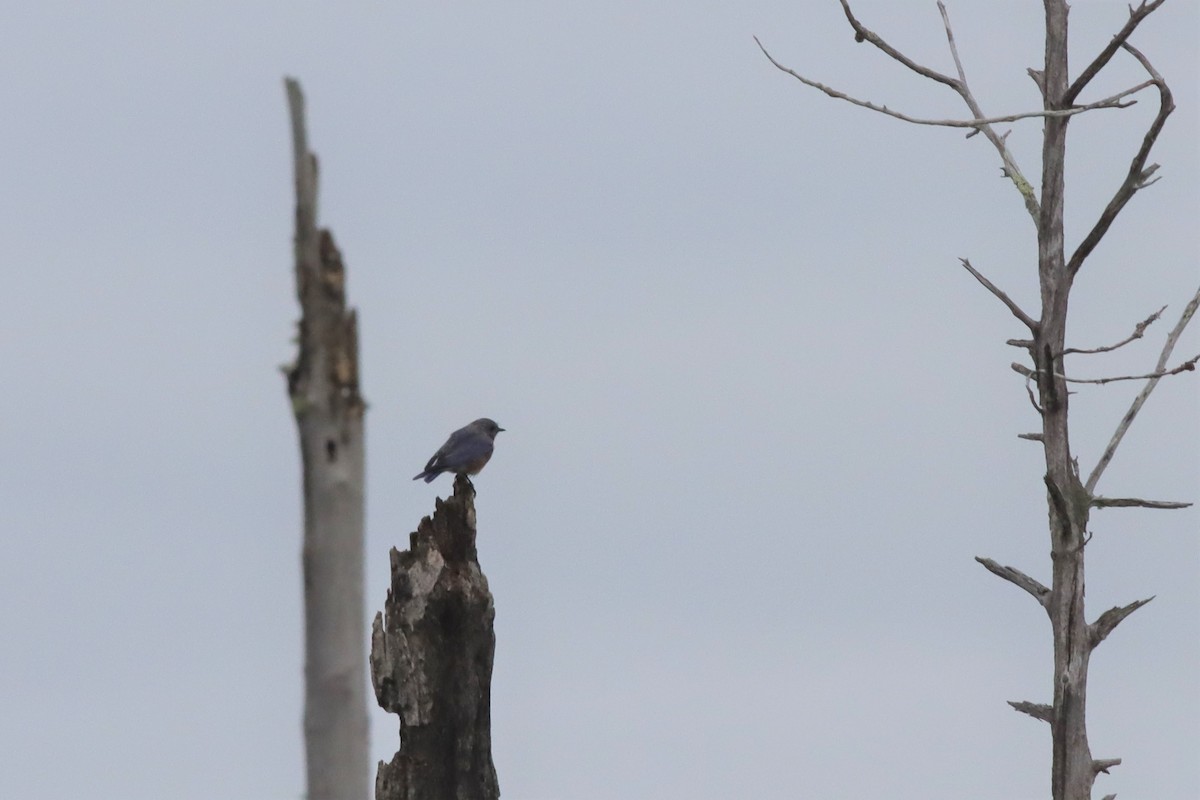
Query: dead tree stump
x=431 y=661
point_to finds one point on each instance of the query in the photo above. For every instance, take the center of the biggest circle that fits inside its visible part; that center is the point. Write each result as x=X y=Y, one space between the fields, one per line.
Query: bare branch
x=1186 y=366
x=1136 y=15
x=1010 y=169
x=1102 y=765
x=1020 y=579
x=861 y=33
x=1135 y=502
x=991 y=287
x=1108 y=102
x=1099 y=630
x=1109 y=797
x=1138 y=332
x=962 y=75
x=1033 y=437
x=1140 y=400
x=1032 y=399
x=1039 y=79
x=1139 y=174
x=1036 y=710
x=981 y=123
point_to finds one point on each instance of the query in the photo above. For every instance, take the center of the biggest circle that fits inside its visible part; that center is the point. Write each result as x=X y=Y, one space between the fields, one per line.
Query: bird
x=465 y=452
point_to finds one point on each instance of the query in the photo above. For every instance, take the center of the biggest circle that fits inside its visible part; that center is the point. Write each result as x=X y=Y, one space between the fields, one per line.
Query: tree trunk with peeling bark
x=323 y=387
x=1071 y=766
x=431 y=661
x=1069 y=498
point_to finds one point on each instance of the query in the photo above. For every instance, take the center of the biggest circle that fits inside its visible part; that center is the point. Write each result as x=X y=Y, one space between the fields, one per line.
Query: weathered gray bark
x=1071 y=766
x=1069 y=499
x=431 y=661
x=1073 y=770
x=323 y=386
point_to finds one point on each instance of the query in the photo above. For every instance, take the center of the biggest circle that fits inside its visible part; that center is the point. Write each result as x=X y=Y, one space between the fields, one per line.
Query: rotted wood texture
x=431 y=661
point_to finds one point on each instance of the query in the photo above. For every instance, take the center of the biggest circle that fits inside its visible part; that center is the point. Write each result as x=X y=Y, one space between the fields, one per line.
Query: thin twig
x=1140 y=400
x=1032 y=399
x=1136 y=15
x=861 y=33
x=1138 y=332
x=1139 y=174
x=1135 y=502
x=1186 y=366
x=1109 y=102
x=1004 y=298
x=1099 y=630
x=979 y=124
x=962 y=75
x=1010 y=169
x=1020 y=579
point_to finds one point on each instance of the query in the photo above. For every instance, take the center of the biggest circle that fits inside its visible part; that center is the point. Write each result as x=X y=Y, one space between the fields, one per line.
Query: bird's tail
x=428 y=475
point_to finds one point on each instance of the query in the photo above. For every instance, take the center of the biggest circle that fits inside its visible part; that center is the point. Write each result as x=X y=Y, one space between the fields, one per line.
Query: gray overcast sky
x=760 y=421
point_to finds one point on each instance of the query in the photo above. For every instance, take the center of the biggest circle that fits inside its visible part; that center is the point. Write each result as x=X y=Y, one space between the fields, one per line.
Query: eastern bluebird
x=465 y=452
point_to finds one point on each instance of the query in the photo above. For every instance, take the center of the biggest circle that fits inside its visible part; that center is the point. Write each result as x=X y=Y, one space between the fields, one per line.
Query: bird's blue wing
x=462 y=450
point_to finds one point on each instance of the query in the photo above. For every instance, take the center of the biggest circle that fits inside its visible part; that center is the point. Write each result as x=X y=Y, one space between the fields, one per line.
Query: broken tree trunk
x=431 y=661
x=323 y=387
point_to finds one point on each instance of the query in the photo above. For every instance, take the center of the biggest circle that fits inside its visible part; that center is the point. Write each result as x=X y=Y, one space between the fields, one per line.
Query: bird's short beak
x=498 y=430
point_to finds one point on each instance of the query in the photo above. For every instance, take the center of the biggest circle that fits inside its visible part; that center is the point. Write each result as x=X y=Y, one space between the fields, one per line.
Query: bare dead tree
x=431 y=661
x=323 y=387
x=1070 y=499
